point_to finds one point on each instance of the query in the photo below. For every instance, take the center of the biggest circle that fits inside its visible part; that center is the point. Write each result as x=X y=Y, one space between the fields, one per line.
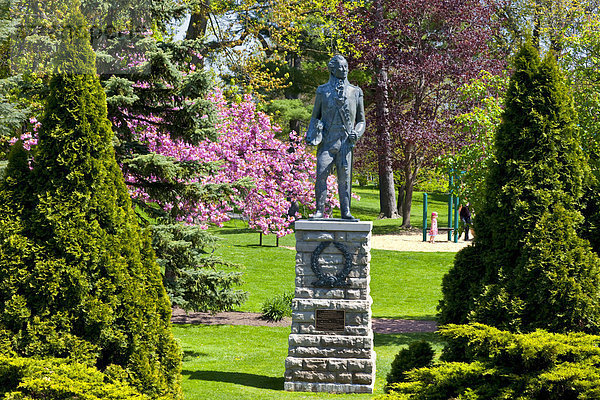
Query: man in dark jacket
x=465 y=217
x=338 y=121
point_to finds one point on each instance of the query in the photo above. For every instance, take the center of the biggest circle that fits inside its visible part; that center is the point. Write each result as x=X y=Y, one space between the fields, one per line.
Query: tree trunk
x=401 y=194
x=387 y=199
x=410 y=172
x=295 y=63
x=197 y=27
x=5 y=46
x=407 y=204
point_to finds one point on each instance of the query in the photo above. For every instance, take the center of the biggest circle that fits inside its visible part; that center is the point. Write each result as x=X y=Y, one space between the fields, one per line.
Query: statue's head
x=338 y=66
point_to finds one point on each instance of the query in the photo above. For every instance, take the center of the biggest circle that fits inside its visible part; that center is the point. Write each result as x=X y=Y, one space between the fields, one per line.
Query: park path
x=413 y=241
x=380 y=325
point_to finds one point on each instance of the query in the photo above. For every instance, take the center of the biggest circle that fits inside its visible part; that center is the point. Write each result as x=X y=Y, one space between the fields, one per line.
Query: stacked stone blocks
x=340 y=360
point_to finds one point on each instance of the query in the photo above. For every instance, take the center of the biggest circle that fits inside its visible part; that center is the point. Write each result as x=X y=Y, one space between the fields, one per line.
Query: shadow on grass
x=399 y=339
x=190 y=355
x=233 y=231
x=411 y=317
x=436 y=196
x=239 y=378
x=392 y=229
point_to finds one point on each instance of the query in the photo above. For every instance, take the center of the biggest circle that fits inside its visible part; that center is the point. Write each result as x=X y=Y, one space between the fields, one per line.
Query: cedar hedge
x=58 y=379
x=528 y=268
x=482 y=362
x=78 y=277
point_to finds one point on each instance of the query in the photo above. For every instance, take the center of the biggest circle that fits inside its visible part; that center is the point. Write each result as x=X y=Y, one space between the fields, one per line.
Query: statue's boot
x=318 y=214
x=348 y=216
x=345 y=209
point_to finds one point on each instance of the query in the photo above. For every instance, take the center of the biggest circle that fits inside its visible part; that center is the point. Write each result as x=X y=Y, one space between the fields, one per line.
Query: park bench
x=448 y=229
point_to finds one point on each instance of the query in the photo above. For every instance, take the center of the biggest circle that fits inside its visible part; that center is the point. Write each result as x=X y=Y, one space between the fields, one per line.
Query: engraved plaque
x=330 y=320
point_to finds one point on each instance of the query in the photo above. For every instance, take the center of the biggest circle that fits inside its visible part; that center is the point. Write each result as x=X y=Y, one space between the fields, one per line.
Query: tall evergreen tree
x=528 y=268
x=152 y=87
x=78 y=275
x=162 y=94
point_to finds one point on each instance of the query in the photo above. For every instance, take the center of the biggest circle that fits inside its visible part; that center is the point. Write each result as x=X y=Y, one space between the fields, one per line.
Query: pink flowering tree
x=280 y=174
x=276 y=175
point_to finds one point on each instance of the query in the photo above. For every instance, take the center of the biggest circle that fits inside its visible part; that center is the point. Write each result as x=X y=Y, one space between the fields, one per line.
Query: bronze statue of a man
x=337 y=122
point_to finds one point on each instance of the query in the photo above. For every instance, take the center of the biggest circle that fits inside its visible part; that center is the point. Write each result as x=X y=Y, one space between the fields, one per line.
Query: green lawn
x=403 y=284
x=244 y=362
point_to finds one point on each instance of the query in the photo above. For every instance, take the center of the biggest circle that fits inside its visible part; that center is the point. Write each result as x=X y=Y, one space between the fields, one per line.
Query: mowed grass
x=403 y=284
x=244 y=362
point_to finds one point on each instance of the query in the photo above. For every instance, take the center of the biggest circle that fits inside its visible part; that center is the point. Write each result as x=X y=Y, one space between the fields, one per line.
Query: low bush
x=275 y=308
x=481 y=362
x=29 y=378
x=418 y=355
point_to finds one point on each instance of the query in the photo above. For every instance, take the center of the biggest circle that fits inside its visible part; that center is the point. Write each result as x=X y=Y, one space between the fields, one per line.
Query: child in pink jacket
x=434 y=227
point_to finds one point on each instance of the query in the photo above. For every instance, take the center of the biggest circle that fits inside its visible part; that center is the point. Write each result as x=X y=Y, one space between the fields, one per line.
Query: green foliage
x=32 y=378
x=460 y=286
x=431 y=180
x=481 y=100
x=13 y=112
x=529 y=267
x=418 y=355
x=590 y=227
x=481 y=362
x=78 y=276
x=191 y=277
x=278 y=307
x=286 y=112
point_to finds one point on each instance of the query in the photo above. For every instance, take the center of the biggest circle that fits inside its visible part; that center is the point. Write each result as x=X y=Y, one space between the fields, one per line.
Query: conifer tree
x=160 y=95
x=528 y=268
x=78 y=276
x=152 y=87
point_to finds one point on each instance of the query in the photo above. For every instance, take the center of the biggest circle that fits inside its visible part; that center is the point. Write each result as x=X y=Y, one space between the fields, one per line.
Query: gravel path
x=414 y=242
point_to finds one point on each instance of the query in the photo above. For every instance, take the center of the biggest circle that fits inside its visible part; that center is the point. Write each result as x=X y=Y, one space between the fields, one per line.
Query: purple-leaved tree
x=419 y=52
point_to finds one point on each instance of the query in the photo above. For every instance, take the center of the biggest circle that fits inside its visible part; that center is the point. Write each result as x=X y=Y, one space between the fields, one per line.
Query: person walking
x=465 y=217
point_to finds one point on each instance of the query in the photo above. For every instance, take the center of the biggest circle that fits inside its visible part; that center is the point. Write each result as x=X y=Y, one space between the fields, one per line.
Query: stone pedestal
x=331 y=343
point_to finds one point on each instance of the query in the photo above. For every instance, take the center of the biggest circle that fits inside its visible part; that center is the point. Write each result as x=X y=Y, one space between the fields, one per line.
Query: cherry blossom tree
x=280 y=173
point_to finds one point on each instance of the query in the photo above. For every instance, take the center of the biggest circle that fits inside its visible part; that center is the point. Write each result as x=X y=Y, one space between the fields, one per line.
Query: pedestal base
x=331 y=343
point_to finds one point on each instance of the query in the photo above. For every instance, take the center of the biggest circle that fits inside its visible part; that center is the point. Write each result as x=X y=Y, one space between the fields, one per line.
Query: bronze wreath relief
x=329 y=280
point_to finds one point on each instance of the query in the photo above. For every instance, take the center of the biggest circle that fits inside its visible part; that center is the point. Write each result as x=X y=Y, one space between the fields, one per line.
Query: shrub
x=418 y=355
x=528 y=268
x=275 y=308
x=495 y=364
x=28 y=378
x=78 y=278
